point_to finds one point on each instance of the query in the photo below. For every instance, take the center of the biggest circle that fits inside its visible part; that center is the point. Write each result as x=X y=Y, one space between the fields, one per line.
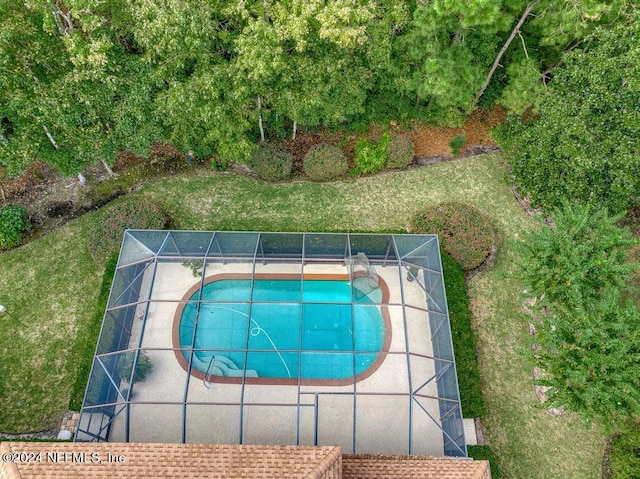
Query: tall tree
x=456 y=46
x=315 y=62
x=77 y=95
x=190 y=45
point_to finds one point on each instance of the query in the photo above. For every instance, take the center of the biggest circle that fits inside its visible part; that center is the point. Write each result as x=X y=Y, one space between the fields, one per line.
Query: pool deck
x=383 y=408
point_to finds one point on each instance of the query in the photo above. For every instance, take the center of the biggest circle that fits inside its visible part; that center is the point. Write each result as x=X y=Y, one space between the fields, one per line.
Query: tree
x=203 y=105
x=76 y=95
x=568 y=262
x=590 y=355
x=456 y=46
x=588 y=340
x=583 y=143
x=314 y=63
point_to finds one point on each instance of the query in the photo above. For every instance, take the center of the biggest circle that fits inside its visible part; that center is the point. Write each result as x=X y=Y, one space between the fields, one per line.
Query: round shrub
x=400 y=151
x=271 y=163
x=106 y=231
x=464 y=232
x=13 y=223
x=325 y=162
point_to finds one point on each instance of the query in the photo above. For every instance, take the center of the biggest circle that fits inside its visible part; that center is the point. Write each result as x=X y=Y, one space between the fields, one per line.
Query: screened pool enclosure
x=277 y=338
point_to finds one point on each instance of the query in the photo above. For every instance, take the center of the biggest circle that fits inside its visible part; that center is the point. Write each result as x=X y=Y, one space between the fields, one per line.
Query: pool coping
x=384 y=310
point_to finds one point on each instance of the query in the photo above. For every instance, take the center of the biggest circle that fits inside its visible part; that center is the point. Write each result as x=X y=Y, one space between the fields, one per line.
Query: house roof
x=52 y=460
x=374 y=466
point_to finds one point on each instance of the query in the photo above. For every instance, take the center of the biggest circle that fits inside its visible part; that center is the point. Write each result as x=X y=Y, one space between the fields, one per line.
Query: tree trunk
x=50 y=136
x=295 y=128
x=514 y=32
x=82 y=179
x=260 y=120
x=63 y=19
x=108 y=168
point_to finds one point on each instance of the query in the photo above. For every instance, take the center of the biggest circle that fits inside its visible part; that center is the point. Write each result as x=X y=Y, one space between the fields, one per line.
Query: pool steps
x=219 y=365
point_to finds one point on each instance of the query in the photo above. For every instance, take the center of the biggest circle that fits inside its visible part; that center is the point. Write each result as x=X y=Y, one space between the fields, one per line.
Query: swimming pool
x=282 y=328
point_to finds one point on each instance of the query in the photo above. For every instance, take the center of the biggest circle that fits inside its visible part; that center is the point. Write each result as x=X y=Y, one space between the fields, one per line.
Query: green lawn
x=52 y=285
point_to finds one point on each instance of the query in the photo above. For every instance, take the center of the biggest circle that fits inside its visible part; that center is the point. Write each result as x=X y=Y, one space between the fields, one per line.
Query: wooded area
x=81 y=80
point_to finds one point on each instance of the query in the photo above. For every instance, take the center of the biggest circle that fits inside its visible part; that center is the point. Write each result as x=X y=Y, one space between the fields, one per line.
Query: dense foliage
x=13 y=223
x=324 y=162
x=271 y=163
x=624 y=456
x=464 y=232
x=81 y=80
x=106 y=235
x=569 y=262
x=591 y=353
x=400 y=151
x=464 y=343
x=588 y=340
x=583 y=143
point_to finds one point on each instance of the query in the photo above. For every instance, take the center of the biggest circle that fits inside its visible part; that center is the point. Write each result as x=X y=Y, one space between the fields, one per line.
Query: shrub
x=570 y=262
x=464 y=342
x=457 y=143
x=271 y=163
x=13 y=223
x=400 y=151
x=325 y=162
x=371 y=157
x=465 y=233
x=107 y=229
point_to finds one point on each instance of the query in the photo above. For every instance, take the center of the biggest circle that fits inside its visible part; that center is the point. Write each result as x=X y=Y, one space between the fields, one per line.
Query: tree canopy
x=588 y=340
x=583 y=141
x=82 y=80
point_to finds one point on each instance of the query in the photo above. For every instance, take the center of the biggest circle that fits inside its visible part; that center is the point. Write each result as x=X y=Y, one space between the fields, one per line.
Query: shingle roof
x=56 y=460
x=378 y=466
x=90 y=460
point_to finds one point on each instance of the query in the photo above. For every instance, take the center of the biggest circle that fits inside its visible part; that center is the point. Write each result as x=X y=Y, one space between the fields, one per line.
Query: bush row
x=325 y=162
x=87 y=338
x=464 y=343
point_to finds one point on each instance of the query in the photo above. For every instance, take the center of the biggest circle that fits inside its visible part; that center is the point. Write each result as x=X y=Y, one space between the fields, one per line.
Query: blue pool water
x=284 y=333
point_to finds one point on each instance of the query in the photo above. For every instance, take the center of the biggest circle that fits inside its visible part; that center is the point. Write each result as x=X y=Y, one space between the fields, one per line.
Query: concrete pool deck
x=376 y=414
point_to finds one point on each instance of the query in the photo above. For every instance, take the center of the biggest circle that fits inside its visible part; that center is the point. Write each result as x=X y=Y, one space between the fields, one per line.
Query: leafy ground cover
x=51 y=286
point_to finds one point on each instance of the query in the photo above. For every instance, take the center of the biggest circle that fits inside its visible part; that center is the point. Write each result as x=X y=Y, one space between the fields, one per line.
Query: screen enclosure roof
x=396 y=392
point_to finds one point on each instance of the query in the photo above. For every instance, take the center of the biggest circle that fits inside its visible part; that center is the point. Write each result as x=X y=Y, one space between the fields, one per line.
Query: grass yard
x=52 y=285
